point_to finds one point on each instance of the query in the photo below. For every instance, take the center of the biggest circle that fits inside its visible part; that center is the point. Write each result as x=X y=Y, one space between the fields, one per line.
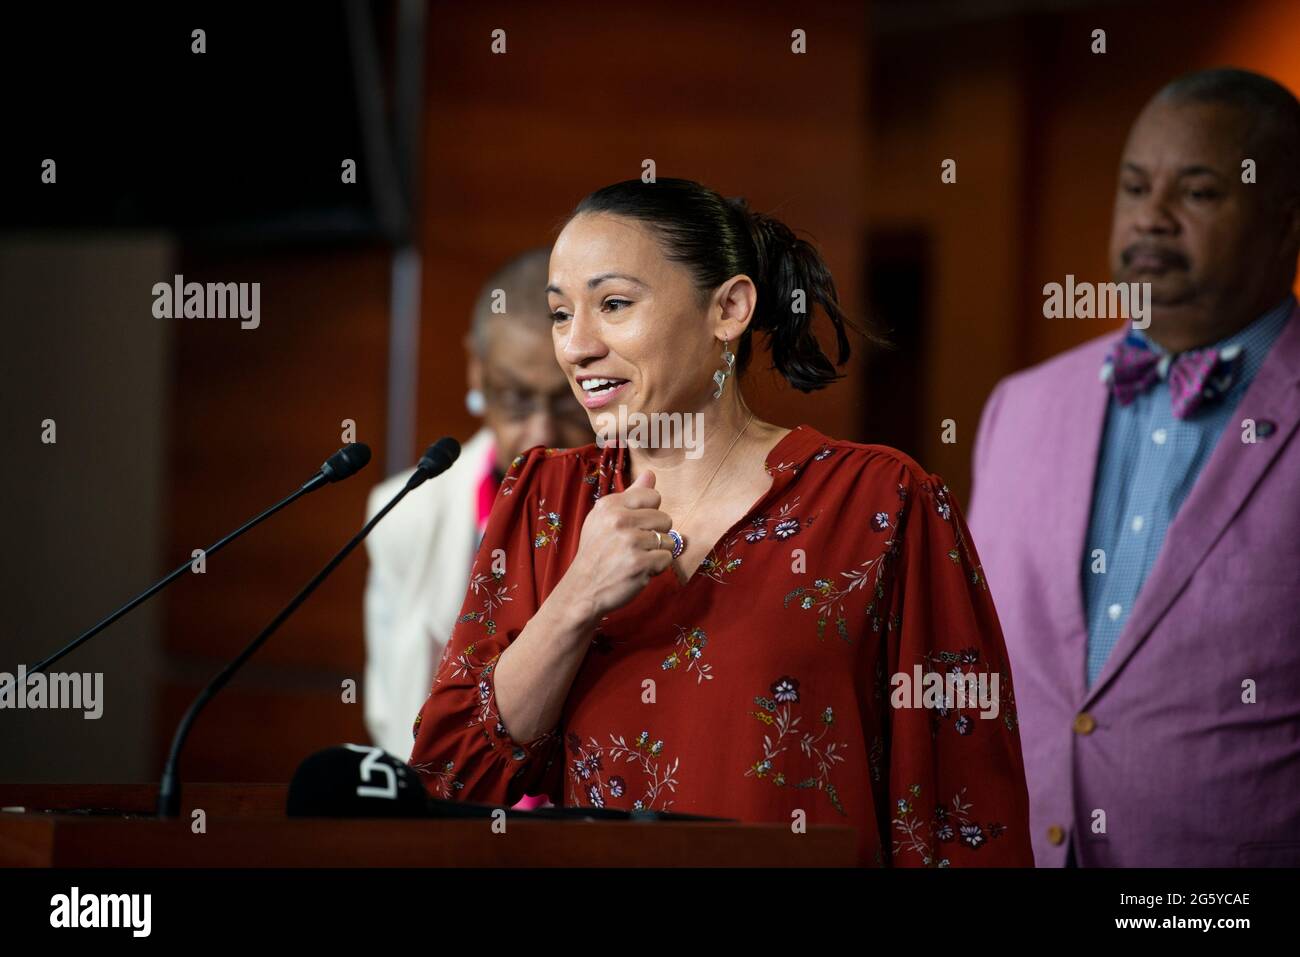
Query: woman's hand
x=618 y=550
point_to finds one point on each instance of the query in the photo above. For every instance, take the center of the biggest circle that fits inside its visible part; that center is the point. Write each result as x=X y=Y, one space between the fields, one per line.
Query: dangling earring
x=720 y=377
x=474 y=402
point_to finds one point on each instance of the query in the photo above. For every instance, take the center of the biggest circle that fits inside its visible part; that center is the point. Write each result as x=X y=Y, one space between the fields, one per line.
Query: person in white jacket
x=420 y=556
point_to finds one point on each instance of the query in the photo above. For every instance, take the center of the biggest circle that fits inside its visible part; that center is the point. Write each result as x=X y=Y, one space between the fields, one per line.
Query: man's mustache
x=1166 y=256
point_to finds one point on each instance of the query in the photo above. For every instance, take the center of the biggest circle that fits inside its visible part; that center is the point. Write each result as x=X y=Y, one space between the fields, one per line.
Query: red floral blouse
x=766 y=683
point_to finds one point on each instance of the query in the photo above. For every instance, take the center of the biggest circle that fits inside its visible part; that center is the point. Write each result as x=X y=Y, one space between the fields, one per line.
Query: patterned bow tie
x=1195 y=377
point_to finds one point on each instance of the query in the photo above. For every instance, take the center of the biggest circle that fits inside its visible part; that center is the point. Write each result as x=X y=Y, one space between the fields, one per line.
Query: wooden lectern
x=246 y=827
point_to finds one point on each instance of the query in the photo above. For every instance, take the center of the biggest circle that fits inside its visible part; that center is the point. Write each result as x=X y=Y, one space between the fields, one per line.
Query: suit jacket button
x=1056 y=834
x=1084 y=723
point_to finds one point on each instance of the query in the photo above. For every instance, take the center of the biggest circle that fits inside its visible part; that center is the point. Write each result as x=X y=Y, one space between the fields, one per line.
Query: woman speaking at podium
x=734 y=628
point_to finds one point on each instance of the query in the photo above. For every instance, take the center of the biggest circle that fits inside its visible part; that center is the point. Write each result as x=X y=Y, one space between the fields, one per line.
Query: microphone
x=345 y=462
x=435 y=461
x=362 y=781
x=355 y=781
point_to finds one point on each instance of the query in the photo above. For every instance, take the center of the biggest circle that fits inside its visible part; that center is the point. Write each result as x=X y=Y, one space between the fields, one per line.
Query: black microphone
x=345 y=462
x=356 y=781
x=362 y=781
x=435 y=461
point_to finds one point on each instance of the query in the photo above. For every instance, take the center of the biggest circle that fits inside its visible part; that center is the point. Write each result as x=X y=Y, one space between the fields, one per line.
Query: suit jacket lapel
x=1077 y=478
x=1220 y=492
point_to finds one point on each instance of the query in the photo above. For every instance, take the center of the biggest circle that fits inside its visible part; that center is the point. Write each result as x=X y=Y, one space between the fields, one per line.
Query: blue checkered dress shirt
x=1148 y=463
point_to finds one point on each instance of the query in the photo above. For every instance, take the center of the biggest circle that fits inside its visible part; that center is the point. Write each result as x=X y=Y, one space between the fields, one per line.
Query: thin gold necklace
x=679 y=540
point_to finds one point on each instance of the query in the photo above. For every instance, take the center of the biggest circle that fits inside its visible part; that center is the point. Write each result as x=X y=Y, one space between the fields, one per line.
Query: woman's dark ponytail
x=792 y=279
x=719 y=238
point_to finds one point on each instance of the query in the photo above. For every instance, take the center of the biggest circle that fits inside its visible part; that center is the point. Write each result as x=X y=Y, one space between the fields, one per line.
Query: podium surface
x=245 y=826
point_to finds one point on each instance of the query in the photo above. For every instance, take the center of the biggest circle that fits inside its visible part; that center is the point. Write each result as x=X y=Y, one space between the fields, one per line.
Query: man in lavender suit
x=1137 y=509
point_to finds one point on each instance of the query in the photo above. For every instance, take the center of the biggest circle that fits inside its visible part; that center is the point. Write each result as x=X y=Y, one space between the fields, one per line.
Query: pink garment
x=487 y=488
x=1187 y=772
x=487 y=493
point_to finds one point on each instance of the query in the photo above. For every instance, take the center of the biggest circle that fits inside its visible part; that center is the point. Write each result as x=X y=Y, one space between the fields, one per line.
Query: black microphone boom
x=345 y=462
x=435 y=461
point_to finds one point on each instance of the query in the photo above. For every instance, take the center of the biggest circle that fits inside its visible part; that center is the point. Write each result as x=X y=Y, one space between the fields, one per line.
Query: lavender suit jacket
x=1184 y=772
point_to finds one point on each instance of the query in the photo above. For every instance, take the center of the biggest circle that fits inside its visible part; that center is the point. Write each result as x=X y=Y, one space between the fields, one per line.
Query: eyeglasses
x=518 y=405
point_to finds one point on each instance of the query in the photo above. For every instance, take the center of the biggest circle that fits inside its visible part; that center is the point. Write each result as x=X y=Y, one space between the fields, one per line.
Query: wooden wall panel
x=253 y=414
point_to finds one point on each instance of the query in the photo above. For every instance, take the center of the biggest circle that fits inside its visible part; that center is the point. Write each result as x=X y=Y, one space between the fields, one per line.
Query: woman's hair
x=717 y=238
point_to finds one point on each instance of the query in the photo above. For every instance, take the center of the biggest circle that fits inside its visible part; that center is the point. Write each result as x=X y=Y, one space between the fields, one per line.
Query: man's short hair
x=1273 y=110
x=523 y=282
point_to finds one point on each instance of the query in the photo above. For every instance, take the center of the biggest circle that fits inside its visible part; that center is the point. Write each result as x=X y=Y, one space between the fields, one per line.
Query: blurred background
x=225 y=166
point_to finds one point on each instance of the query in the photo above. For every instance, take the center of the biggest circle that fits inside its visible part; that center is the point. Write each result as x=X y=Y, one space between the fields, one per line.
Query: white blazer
x=420 y=558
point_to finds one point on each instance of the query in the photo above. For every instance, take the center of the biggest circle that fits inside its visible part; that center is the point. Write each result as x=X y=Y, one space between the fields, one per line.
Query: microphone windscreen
x=439 y=456
x=346 y=462
x=355 y=780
